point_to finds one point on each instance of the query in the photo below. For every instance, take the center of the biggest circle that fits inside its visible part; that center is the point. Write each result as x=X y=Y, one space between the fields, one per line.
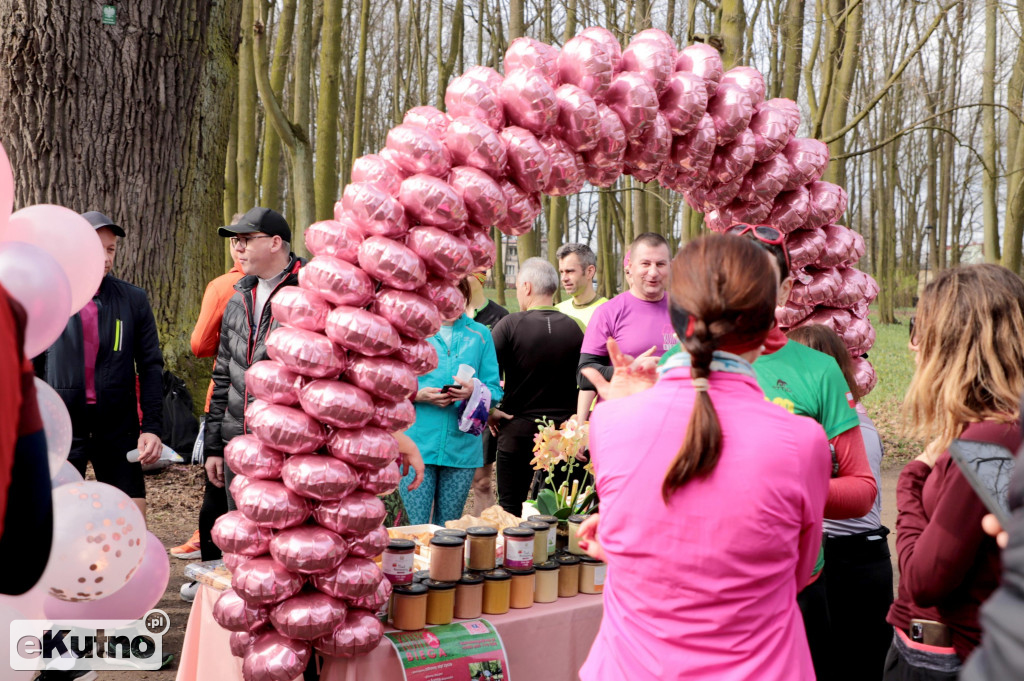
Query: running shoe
x=189 y=549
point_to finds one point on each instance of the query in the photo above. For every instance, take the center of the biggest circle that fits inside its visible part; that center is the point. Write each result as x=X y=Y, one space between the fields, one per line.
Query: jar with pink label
x=518 y=547
x=397 y=561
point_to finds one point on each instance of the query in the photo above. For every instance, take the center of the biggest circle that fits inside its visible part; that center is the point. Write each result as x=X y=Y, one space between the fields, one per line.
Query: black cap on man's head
x=98 y=219
x=263 y=220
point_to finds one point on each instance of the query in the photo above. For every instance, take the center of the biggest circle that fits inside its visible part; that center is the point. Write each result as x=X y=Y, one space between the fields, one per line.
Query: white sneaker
x=188 y=591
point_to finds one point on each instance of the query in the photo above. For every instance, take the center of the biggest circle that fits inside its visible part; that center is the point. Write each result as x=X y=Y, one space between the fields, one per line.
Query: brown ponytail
x=723 y=292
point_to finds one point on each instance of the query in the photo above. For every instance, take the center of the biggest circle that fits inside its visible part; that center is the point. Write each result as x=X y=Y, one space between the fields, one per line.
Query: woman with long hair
x=711 y=497
x=967 y=344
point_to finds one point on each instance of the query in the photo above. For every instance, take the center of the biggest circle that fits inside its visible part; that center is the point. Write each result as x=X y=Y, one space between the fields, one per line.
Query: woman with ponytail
x=711 y=497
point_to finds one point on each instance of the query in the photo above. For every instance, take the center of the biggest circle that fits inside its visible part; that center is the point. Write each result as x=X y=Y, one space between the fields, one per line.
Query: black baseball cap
x=98 y=219
x=263 y=220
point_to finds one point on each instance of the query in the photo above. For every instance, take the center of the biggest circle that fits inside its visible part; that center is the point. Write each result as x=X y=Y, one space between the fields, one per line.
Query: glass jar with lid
x=592 y=575
x=446 y=558
x=552 y=522
x=518 y=547
x=397 y=561
x=409 y=606
x=522 y=587
x=546 y=588
x=541 y=530
x=497 y=591
x=574 y=527
x=440 y=601
x=469 y=596
x=568 y=575
x=482 y=548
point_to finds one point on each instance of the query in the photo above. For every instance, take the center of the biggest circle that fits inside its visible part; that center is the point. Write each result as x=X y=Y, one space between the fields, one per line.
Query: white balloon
x=66 y=474
x=56 y=424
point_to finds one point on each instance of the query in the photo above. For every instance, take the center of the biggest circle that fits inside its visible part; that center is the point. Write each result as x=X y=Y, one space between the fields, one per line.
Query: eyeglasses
x=764 y=234
x=241 y=242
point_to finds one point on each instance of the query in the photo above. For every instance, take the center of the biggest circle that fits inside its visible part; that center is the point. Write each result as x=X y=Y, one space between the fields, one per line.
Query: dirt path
x=889 y=478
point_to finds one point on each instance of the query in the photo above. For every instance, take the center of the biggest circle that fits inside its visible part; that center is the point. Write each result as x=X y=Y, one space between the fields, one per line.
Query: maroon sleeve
x=852 y=494
x=936 y=553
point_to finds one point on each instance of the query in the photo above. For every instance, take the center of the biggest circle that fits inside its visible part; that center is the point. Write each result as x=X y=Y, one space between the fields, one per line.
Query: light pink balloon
x=610 y=151
x=381 y=480
x=693 y=151
x=300 y=308
x=338 y=282
x=374 y=210
x=352 y=515
x=263 y=581
x=790 y=210
x=579 y=121
x=864 y=374
x=683 y=101
x=828 y=203
x=338 y=238
x=378 y=170
x=6 y=191
x=239 y=641
x=309 y=549
x=319 y=477
x=528 y=164
x=274 y=657
x=273 y=382
x=481 y=246
x=485 y=75
x=432 y=201
x=418 y=354
x=471 y=142
x=792 y=314
x=484 y=200
x=371 y=545
x=808 y=159
x=748 y=78
x=69 y=239
x=587 y=64
x=804 y=247
x=737 y=212
x=234 y=614
x=477 y=96
x=286 y=428
x=412 y=315
x=773 y=126
x=382 y=377
x=857 y=252
x=765 y=180
x=361 y=331
x=833 y=318
x=337 y=403
x=429 y=117
x=523 y=209
x=607 y=41
x=271 y=504
x=449 y=299
x=859 y=336
x=567 y=171
x=852 y=288
x=731 y=109
x=392 y=263
x=308 y=615
x=360 y=633
x=306 y=352
x=237 y=484
x=232 y=561
x=34 y=279
x=417 y=150
x=527 y=53
x=821 y=287
x=707 y=198
x=354 y=578
x=651 y=149
x=393 y=416
x=59 y=433
x=445 y=254
x=247 y=456
x=733 y=160
x=703 y=60
x=634 y=101
x=364 y=448
x=234 y=533
x=651 y=57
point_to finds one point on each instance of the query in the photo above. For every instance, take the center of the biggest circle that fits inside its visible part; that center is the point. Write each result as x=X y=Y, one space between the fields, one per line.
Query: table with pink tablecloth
x=547 y=642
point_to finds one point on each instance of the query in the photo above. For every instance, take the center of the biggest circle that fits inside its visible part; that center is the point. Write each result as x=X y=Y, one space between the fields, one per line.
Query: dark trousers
x=215 y=504
x=859 y=592
x=904 y=663
x=813 y=602
x=515 y=474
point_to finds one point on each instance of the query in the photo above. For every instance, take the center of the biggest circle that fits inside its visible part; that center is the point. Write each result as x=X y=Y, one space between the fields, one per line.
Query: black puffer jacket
x=128 y=345
x=241 y=346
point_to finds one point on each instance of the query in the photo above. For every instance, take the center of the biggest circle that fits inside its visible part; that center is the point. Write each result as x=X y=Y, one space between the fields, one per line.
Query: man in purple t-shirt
x=637 y=319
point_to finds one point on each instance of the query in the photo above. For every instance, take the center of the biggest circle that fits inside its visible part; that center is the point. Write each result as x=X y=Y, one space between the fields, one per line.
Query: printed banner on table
x=463 y=651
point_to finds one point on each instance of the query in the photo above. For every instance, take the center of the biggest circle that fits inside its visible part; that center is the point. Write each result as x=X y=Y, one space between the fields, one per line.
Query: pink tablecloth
x=548 y=642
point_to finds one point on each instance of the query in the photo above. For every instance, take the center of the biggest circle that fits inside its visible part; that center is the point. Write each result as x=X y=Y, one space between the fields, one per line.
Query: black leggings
x=215 y=504
x=813 y=602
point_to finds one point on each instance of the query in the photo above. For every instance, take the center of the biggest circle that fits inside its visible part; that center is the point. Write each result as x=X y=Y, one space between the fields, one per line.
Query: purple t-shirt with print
x=636 y=325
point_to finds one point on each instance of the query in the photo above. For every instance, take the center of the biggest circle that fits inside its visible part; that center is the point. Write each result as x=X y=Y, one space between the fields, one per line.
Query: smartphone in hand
x=988 y=468
x=445 y=389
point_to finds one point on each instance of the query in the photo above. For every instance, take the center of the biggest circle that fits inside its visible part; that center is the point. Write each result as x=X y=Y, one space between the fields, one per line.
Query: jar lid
x=498 y=574
x=591 y=561
x=420 y=575
x=414 y=589
x=536 y=526
x=577 y=518
x=446 y=540
x=549 y=519
x=435 y=585
x=546 y=565
x=568 y=560
x=401 y=545
x=520 y=572
x=518 y=532
x=452 y=533
x=482 y=531
x=471 y=578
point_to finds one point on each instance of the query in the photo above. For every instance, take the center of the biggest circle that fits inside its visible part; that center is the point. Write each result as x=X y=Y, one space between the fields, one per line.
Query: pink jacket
x=705 y=588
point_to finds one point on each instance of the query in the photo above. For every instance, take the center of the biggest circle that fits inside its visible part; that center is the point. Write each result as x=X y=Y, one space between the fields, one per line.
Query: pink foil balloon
x=765 y=180
x=477 y=96
x=239 y=641
x=306 y=352
x=273 y=382
x=309 y=549
x=529 y=100
x=445 y=254
x=485 y=75
x=429 y=117
x=610 y=150
x=567 y=171
x=530 y=54
x=286 y=428
x=432 y=201
x=748 y=78
x=370 y=545
x=772 y=125
x=376 y=169
x=353 y=515
x=382 y=377
x=35 y=279
x=607 y=41
x=234 y=533
x=523 y=209
x=337 y=281
x=308 y=615
x=652 y=148
x=792 y=314
x=232 y=561
x=412 y=315
x=263 y=581
x=418 y=354
x=828 y=203
x=804 y=247
x=821 y=287
x=652 y=58
x=694 y=150
x=587 y=64
x=733 y=160
x=319 y=477
x=354 y=578
x=702 y=60
x=271 y=504
x=234 y=614
x=731 y=109
x=864 y=374
x=790 y=209
x=482 y=248
x=247 y=456
x=393 y=416
x=381 y=480
x=833 y=318
x=658 y=36
x=358 y=634
x=838 y=243
x=374 y=210
x=364 y=448
x=238 y=483
x=337 y=403
x=857 y=251
x=274 y=657
x=449 y=299
x=736 y=212
x=578 y=122
x=808 y=159
x=417 y=150
x=634 y=101
x=683 y=101
x=528 y=164
x=852 y=288
x=484 y=200
x=300 y=308
x=715 y=196
x=361 y=331
x=471 y=142
x=392 y=263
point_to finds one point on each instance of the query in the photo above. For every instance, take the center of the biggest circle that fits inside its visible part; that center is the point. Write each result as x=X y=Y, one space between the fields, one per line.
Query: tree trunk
x=271 y=193
x=130 y=119
x=847 y=37
x=989 y=182
x=499 y=265
x=247 y=97
x=325 y=172
x=1013 y=233
x=734 y=25
x=357 y=114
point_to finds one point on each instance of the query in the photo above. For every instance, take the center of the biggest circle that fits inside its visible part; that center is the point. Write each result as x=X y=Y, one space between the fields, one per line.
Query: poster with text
x=470 y=650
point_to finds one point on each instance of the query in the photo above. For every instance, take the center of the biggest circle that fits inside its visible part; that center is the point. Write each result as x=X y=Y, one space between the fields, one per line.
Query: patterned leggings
x=444 y=489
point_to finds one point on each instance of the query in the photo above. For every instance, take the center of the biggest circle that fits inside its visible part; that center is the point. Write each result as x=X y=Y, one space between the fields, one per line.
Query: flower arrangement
x=562 y=448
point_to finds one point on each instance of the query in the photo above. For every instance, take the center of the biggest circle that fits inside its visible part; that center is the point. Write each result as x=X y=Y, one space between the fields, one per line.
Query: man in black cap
x=93 y=367
x=261 y=240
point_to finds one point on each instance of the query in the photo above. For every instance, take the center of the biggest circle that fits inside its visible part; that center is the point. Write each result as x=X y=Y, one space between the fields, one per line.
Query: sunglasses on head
x=764 y=234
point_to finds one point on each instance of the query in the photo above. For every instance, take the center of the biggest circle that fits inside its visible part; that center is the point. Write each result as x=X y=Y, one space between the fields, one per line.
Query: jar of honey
x=568 y=575
x=469 y=596
x=518 y=547
x=440 y=601
x=409 y=606
x=461 y=534
x=482 y=548
x=397 y=561
x=552 y=522
x=497 y=591
x=574 y=527
x=546 y=588
x=592 y=575
x=521 y=593
x=541 y=530
x=446 y=558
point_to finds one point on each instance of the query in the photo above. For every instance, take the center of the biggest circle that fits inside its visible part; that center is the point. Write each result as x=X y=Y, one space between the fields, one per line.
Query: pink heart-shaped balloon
x=234 y=533
x=319 y=477
x=337 y=403
x=337 y=281
x=393 y=416
x=274 y=657
x=412 y=315
x=271 y=504
x=355 y=577
x=287 y=429
x=263 y=581
x=381 y=480
x=382 y=377
x=393 y=263
x=308 y=615
x=363 y=448
x=234 y=614
x=473 y=143
x=273 y=382
x=360 y=633
x=308 y=549
x=370 y=545
x=355 y=514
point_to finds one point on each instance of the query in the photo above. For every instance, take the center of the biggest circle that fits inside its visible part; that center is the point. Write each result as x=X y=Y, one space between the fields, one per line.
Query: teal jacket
x=436 y=430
